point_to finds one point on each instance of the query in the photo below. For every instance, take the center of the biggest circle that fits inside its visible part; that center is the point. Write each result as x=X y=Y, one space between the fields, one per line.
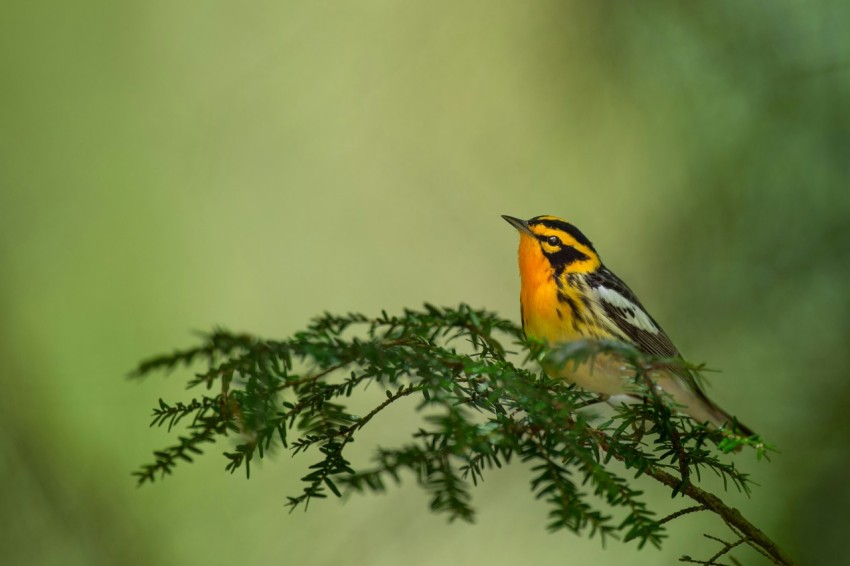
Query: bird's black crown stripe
x=564 y=227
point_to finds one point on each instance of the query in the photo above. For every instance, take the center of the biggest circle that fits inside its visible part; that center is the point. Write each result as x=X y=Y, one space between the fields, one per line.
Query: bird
x=568 y=294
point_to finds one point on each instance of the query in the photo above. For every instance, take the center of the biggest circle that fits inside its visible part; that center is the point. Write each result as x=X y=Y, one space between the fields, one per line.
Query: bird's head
x=549 y=244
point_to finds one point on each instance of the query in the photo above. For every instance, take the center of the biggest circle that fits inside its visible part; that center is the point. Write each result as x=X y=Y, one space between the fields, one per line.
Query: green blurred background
x=170 y=166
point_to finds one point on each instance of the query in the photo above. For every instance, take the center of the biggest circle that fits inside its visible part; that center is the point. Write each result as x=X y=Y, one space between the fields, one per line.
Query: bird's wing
x=630 y=319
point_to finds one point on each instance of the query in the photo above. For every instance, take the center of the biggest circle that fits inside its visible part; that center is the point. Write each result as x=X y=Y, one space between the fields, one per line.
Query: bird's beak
x=520 y=225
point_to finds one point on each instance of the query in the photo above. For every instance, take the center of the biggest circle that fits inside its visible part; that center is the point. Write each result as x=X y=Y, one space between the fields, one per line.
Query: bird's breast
x=551 y=311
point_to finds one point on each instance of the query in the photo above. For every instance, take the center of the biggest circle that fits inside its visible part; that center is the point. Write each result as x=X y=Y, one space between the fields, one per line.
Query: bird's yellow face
x=551 y=246
x=550 y=250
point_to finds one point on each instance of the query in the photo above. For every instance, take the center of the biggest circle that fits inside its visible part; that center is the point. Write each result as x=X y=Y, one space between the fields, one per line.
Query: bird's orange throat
x=550 y=310
x=539 y=291
x=534 y=269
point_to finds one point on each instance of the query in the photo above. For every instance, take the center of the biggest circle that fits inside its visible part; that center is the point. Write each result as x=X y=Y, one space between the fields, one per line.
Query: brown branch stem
x=729 y=514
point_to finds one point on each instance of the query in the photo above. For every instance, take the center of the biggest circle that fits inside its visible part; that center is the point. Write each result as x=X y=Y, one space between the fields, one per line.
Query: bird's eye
x=554 y=241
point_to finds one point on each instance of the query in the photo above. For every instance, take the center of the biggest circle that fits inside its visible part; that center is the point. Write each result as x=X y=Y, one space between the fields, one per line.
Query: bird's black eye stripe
x=554 y=241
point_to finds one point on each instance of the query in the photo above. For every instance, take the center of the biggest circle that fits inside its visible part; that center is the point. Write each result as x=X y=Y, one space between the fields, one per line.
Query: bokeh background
x=170 y=166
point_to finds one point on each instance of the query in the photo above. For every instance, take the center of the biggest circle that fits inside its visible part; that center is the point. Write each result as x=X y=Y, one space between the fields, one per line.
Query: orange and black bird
x=568 y=294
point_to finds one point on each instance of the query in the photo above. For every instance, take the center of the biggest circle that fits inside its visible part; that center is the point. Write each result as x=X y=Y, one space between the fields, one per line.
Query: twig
x=675 y=440
x=348 y=432
x=727 y=547
x=681 y=512
x=310 y=378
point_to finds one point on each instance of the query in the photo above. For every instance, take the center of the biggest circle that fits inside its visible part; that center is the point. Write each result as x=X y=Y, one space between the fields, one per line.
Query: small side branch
x=727 y=547
x=681 y=512
x=333 y=461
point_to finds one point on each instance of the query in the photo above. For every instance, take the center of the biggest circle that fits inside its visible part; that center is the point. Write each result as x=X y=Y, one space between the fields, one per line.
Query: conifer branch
x=485 y=408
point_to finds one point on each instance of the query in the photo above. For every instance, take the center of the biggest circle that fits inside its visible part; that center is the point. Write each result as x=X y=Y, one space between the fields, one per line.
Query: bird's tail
x=721 y=418
x=699 y=407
